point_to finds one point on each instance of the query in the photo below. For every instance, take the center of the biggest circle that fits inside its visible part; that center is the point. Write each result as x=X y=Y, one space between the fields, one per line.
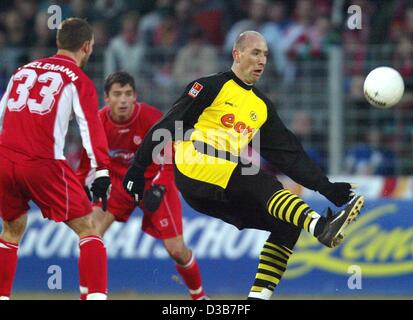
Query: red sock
x=82 y=278
x=192 y=277
x=8 y=264
x=93 y=265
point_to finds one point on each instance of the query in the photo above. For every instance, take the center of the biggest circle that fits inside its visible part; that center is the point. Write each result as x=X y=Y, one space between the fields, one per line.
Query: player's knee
x=13 y=232
x=178 y=252
x=87 y=227
x=83 y=226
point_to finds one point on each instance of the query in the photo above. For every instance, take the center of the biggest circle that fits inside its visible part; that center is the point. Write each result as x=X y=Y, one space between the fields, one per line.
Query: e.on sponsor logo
x=228 y=121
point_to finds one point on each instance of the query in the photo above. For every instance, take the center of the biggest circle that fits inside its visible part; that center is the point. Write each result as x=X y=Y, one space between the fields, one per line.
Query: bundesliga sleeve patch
x=195 y=90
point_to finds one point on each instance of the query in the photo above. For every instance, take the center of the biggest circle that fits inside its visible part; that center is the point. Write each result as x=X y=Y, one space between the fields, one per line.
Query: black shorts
x=243 y=203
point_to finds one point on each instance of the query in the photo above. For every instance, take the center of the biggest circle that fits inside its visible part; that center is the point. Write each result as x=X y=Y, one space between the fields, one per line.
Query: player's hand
x=152 y=197
x=101 y=187
x=134 y=182
x=338 y=193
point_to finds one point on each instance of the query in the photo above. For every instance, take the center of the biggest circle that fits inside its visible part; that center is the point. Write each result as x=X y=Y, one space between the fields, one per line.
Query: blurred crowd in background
x=165 y=44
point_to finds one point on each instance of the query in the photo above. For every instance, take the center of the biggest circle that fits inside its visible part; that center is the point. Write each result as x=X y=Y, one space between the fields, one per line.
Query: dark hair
x=73 y=33
x=121 y=77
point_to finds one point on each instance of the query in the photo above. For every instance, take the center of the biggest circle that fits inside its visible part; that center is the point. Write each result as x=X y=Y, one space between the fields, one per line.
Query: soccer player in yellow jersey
x=223 y=113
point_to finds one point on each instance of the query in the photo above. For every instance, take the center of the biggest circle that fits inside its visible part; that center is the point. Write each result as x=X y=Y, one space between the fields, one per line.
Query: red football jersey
x=39 y=102
x=124 y=140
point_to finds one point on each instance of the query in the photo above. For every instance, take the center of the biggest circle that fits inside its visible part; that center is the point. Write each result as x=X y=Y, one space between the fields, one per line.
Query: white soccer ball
x=383 y=87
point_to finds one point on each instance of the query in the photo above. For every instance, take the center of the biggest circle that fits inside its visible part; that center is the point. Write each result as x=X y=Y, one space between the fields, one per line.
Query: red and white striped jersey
x=39 y=102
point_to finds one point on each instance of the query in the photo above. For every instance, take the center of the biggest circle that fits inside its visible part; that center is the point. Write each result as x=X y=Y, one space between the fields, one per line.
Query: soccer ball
x=383 y=87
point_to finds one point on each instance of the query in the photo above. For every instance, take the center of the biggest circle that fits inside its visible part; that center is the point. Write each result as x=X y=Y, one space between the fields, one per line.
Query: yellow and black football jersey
x=222 y=114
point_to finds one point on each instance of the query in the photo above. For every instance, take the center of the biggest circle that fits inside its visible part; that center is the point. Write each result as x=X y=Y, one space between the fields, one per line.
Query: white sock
x=197 y=291
x=96 y=296
x=315 y=218
x=83 y=290
x=265 y=294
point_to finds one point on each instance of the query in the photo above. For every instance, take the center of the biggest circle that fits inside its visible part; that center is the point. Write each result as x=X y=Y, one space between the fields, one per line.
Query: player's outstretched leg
x=9 y=244
x=187 y=266
x=92 y=259
x=290 y=208
x=268 y=192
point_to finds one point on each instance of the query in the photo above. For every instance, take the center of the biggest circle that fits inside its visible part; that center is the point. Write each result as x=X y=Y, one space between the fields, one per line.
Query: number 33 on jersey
x=39 y=102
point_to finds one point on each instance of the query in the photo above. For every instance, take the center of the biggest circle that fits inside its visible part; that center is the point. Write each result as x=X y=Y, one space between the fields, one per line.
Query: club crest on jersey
x=195 y=90
x=253 y=116
x=164 y=223
x=137 y=140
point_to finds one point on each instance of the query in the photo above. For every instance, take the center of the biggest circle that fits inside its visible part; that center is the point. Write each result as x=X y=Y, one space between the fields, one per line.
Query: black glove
x=134 y=182
x=101 y=187
x=152 y=197
x=338 y=193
